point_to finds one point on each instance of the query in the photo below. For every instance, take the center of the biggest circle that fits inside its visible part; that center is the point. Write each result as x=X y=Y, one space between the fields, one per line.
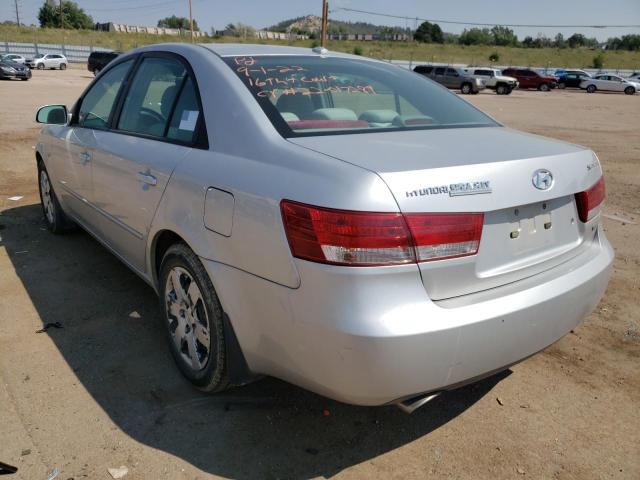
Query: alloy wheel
x=47 y=199
x=189 y=324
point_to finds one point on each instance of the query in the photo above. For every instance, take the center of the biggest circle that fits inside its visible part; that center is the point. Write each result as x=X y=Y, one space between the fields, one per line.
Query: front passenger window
x=154 y=89
x=98 y=102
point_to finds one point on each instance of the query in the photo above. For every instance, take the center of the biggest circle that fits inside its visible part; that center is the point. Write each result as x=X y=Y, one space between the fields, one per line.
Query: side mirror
x=52 y=115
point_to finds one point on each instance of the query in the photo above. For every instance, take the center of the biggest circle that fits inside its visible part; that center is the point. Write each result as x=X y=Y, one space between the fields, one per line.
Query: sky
x=218 y=13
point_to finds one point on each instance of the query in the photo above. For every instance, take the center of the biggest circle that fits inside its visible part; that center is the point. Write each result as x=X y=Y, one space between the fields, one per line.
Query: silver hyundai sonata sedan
x=337 y=222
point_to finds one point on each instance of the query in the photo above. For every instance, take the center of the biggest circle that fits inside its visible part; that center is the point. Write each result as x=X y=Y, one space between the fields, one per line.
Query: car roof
x=248 y=49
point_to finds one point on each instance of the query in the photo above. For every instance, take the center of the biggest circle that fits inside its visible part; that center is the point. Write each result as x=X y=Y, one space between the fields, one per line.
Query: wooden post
x=191 y=21
x=323 y=28
x=17 y=14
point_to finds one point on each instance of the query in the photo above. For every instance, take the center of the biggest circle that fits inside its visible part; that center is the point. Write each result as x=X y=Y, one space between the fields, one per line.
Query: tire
x=95 y=72
x=24 y=79
x=591 y=88
x=40 y=66
x=562 y=85
x=629 y=90
x=189 y=323
x=544 y=87
x=63 y=66
x=465 y=88
x=55 y=218
x=502 y=89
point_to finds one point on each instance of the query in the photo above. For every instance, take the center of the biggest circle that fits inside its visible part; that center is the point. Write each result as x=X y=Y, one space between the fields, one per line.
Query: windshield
x=304 y=95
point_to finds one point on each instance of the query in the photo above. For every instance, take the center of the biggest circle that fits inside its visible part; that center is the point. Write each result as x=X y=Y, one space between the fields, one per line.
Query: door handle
x=147 y=178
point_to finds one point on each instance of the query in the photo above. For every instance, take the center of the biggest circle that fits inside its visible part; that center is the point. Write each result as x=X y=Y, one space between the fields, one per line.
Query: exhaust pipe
x=410 y=405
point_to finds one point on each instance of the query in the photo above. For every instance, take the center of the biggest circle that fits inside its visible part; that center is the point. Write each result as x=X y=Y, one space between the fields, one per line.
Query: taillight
x=342 y=237
x=589 y=201
x=445 y=235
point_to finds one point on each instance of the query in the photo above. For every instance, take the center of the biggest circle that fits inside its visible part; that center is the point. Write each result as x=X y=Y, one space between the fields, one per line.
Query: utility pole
x=17 y=13
x=190 y=21
x=323 y=28
x=61 y=16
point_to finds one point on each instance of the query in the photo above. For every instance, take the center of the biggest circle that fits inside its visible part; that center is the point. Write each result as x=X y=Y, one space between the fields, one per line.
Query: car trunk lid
x=526 y=229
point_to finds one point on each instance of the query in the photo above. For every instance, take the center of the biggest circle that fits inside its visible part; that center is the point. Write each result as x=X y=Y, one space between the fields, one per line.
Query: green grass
x=579 y=57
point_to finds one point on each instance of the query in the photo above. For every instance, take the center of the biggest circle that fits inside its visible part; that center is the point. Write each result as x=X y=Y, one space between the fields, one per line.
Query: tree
x=598 y=61
x=503 y=36
x=476 y=36
x=72 y=16
x=577 y=40
x=240 y=30
x=527 y=42
x=177 y=22
x=429 y=32
x=559 y=41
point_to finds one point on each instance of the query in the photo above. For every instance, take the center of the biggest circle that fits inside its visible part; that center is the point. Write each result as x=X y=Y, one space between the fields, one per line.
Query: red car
x=531 y=79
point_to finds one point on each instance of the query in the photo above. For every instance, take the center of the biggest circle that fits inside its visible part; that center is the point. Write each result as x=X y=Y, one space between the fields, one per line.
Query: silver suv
x=450 y=77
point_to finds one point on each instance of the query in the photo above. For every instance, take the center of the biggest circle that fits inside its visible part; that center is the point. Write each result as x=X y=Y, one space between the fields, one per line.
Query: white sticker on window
x=188 y=120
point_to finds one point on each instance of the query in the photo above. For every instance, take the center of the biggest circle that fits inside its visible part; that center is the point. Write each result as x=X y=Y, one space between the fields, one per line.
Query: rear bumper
x=372 y=336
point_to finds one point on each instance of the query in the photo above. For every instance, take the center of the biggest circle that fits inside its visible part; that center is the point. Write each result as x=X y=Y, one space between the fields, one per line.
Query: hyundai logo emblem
x=542 y=179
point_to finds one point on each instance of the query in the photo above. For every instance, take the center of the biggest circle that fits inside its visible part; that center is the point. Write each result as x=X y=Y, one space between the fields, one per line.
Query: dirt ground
x=103 y=391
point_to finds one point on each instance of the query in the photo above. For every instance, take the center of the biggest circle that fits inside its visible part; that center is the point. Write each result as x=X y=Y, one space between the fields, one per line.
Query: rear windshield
x=305 y=96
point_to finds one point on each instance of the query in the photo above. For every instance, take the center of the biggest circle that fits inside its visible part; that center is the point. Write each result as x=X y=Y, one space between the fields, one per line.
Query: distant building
x=367 y=37
x=266 y=35
x=261 y=34
x=122 y=28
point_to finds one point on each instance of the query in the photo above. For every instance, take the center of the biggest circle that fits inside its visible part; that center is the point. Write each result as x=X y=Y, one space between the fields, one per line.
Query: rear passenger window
x=186 y=115
x=154 y=89
x=97 y=104
x=440 y=71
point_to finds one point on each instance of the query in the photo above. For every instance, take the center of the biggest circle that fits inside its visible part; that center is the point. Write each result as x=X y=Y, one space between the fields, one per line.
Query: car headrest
x=334 y=114
x=378 y=116
x=167 y=100
x=289 y=117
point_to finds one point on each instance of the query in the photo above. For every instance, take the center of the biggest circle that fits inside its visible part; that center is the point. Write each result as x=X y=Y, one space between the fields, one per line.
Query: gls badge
x=542 y=179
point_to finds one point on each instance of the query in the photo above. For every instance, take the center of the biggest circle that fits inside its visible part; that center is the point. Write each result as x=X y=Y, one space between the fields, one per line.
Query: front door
x=79 y=140
x=134 y=161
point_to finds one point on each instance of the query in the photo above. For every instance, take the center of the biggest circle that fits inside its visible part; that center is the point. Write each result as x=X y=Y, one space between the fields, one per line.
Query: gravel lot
x=103 y=391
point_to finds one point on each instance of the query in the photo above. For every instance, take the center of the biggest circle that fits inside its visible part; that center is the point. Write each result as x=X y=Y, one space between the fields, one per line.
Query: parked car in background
x=562 y=71
x=14 y=57
x=50 y=60
x=450 y=77
x=390 y=256
x=572 y=79
x=98 y=60
x=11 y=70
x=528 y=78
x=494 y=80
x=610 y=83
x=635 y=77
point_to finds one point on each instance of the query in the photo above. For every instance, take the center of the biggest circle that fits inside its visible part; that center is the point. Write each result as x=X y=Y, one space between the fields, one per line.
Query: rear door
x=438 y=75
x=157 y=126
x=452 y=78
x=529 y=79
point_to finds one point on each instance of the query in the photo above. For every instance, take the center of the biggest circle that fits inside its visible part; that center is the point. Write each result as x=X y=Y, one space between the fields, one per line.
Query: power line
x=477 y=24
x=138 y=7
